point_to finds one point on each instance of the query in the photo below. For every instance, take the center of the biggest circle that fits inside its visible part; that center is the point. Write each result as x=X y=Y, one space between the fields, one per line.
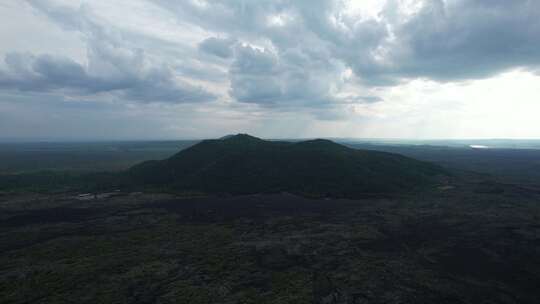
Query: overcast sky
x=160 y=69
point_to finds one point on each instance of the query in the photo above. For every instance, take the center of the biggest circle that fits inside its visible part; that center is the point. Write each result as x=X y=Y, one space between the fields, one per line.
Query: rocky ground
x=470 y=243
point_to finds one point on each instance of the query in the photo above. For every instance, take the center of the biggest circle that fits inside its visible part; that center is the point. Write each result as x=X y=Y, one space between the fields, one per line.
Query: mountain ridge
x=243 y=164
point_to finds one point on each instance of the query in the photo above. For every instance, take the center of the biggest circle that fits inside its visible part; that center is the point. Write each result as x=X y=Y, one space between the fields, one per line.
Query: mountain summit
x=239 y=136
x=241 y=164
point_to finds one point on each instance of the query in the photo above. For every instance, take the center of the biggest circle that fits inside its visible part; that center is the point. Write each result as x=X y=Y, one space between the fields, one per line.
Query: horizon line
x=97 y=140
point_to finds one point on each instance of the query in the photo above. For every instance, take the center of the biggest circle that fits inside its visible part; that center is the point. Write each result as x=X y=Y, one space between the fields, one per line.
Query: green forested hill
x=245 y=164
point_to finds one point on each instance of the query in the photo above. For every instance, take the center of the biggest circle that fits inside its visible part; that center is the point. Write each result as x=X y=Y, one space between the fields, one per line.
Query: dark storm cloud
x=254 y=76
x=217 y=47
x=25 y=72
x=457 y=40
x=290 y=78
x=297 y=66
x=444 y=40
x=112 y=66
x=284 y=53
x=46 y=73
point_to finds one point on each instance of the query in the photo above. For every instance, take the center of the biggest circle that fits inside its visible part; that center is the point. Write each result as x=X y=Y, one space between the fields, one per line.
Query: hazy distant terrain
x=83 y=156
x=505 y=164
x=454 y=143
x=518 y=160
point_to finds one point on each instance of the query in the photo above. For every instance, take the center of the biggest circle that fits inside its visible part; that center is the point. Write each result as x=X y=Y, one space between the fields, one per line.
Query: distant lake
x=479 y=147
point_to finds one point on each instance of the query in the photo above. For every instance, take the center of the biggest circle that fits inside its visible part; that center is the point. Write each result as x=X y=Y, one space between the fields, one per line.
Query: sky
x=160 y=69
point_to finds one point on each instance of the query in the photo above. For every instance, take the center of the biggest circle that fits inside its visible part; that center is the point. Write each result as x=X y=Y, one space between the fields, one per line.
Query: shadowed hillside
x=244 y=164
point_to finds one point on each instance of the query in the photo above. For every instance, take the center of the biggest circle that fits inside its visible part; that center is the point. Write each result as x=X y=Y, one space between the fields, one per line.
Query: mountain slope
x=245 y=164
